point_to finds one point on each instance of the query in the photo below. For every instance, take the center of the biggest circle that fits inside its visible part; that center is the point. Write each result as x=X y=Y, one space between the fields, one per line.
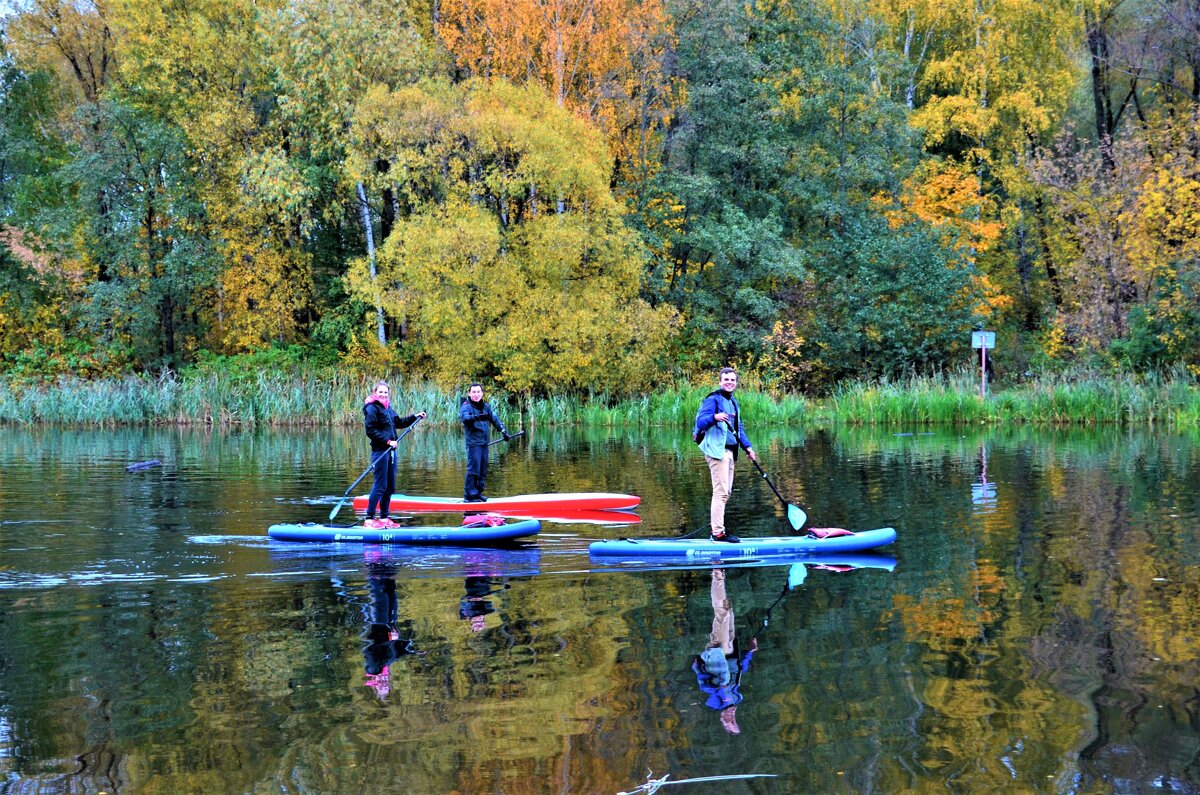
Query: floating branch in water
x=652 y=784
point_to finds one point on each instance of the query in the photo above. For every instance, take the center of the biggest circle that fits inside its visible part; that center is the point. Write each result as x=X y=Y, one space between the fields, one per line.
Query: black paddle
x=370 y=466
x=508 y=439
x=787 y=589
x=796 y=517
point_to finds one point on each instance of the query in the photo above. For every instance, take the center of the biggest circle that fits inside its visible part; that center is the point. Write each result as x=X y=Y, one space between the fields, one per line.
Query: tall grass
x=292 y=397
x=264 y=398
x=1077 y=399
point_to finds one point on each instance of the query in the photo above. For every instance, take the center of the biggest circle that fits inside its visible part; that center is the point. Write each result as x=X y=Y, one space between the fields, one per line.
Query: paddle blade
x=337 y=508
x=796 y=517
x=796 y=575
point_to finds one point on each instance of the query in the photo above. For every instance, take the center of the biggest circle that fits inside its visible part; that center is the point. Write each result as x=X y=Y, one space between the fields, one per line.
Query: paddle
x=795 y=578
x=370 y=466
x=796 y=517
x=509 y=439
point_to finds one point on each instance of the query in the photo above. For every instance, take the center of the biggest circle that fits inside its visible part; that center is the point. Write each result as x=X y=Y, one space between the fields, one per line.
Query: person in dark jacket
x=720 y=433
x=381 y=423
x=476 y=415
x=383 y=644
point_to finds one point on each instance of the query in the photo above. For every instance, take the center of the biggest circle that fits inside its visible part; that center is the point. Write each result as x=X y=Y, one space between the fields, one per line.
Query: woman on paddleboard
x=381 y=423
x=476 y=415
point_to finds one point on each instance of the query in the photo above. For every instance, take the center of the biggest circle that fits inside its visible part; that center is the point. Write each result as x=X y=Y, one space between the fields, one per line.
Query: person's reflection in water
x=475 y=606
x=384 y=644
x=719 y=668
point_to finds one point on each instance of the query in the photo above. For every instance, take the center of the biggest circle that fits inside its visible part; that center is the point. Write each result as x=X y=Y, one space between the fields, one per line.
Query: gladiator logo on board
x=352 y=537
x=359 y=537
x=707 y=553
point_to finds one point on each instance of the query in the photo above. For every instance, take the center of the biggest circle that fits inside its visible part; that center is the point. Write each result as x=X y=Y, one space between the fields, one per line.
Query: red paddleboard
x=531 y=504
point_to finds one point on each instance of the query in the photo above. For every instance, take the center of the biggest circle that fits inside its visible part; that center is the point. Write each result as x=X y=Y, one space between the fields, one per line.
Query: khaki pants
x=721 y=470
x=722 y=625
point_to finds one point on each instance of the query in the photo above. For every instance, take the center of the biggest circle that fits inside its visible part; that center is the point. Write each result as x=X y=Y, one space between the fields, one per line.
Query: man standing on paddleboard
x=476 y=415
x=719 y=433
x=381 y=423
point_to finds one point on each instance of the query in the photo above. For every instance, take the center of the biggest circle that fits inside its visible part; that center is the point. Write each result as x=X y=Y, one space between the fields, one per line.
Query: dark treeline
x=566 y=196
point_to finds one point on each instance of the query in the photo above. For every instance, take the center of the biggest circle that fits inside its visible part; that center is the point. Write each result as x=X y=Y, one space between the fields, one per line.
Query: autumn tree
x=603 y=59
x=989 y=83
x=513 y=262
x=321 y=67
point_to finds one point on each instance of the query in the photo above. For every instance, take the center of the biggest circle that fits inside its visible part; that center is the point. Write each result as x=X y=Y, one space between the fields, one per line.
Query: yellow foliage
x=260 y=292
x=786 y=355
x=948 y=196
x=1165 y=222
x=551 y=305
x=364 y=355
x=71 y=38
x=198 y=59
x=1054 y=341
x=513 y=260
x=995 y=301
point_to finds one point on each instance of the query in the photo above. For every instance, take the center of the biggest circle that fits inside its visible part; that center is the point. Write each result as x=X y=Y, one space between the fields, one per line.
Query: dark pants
x=477 y=465
x=385 y=607
x=384 y=486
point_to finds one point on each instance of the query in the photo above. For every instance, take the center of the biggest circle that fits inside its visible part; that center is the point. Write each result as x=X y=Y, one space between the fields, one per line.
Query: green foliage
x=30 y=149
x=142 y=237
x=729 y=257
x=1144 y=348
x=889 y=301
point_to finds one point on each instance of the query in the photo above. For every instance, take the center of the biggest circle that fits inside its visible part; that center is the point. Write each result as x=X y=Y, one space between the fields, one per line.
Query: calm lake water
x=1038 y=631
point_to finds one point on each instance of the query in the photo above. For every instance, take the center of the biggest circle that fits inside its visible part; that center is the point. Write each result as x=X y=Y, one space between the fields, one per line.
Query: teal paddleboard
x=749 y=547
x=462 y=535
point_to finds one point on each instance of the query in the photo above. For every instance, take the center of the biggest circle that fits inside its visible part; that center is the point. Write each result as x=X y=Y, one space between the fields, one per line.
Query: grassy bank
x=1049 y=400
x=277 y=397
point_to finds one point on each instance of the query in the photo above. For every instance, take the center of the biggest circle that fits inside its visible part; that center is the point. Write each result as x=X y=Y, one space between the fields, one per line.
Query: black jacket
x=381 y=424
x=475 y=419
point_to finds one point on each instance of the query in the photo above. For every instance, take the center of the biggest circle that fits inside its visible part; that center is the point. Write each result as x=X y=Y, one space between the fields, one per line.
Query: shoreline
x=282 y=398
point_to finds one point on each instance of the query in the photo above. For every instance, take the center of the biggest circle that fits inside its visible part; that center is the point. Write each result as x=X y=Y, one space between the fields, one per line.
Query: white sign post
x=983 y=340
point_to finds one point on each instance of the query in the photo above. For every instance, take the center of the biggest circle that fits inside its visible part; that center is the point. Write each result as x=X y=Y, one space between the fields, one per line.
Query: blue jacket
x=709 y=407
x=381 y=424
x=475 y=419
x=722 y=696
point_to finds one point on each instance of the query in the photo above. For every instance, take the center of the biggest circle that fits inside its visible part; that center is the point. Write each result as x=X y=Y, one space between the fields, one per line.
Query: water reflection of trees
x=1049 y=644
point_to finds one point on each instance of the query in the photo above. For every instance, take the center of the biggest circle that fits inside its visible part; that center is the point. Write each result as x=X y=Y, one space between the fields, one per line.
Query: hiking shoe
x=726 y=538
x=374 y=524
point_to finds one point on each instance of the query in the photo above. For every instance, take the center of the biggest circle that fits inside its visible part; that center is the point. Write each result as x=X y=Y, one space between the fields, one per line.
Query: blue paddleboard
x=749 y=547
x=836 y=561
x=462 y=535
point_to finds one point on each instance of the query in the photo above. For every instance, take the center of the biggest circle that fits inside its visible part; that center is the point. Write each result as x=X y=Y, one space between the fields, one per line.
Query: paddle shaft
x=796 y=515
x=370 y=466
x=509 y=439
x=769 y=483
x=767 y=618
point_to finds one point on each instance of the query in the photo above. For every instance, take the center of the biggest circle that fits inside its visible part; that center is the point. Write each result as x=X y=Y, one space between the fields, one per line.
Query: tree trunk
x=1047 y=254
x=365 y=210
x=102 y=209
x=166 y=307
x=1097 y=40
